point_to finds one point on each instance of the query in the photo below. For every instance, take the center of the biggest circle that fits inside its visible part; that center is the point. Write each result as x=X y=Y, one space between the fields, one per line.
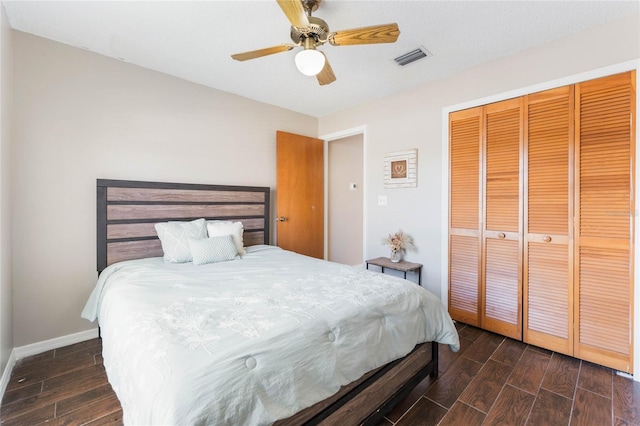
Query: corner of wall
x=6 y=374
x=17 y=354
x=6 y=276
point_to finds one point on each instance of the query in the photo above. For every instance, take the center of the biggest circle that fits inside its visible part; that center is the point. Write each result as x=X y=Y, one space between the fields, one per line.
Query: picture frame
x=401 y=169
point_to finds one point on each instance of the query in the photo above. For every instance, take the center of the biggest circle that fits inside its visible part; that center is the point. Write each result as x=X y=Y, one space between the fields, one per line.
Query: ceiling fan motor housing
x=318 y=30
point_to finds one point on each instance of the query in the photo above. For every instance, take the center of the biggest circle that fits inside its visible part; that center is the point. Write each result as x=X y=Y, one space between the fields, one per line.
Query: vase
x=395 y=256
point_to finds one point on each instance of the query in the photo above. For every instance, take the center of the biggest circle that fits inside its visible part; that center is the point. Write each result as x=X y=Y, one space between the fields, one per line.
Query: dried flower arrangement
x=398 y=243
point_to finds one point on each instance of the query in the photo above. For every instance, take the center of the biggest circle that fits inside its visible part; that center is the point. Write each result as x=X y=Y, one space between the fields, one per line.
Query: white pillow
x=218 y=228
x=212 y=250
x=174 y=237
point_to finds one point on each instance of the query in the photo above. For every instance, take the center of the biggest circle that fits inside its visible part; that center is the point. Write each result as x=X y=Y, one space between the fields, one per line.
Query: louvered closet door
x=605 y=157
x=464 y=218
x=502 y=255
x=548 y=276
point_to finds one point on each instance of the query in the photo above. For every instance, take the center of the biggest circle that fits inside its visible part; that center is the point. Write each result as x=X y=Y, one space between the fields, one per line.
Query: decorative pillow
x=212 y=250
x=217 y=228
x=174 y=237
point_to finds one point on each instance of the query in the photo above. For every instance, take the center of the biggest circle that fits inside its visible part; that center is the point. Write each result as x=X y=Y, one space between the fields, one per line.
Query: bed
x=271 y=336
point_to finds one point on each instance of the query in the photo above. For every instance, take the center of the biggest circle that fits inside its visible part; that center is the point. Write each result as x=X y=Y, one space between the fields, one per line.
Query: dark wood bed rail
x=367 y=400
x=128 y=210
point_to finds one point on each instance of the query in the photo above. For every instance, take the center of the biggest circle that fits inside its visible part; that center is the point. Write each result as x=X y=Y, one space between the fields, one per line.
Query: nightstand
x=402 y=266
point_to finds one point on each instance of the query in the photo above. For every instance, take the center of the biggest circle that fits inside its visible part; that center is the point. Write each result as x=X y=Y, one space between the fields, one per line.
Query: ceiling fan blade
x=295 y=12
x=245 y=56
x=326 y=76
x=387 y=33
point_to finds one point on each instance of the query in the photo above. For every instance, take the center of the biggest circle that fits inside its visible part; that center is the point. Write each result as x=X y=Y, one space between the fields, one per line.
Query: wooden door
x=548 y=220
x=300 y=194
x=501 y=291
x=605 y=165
x=465 y=197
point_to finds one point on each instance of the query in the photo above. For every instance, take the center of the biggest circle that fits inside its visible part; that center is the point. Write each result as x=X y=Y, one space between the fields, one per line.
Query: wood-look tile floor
x=492 y=380
x=495 y=380
x=66 y=386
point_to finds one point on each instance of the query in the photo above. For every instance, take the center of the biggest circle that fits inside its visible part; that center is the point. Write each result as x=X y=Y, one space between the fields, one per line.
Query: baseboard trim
x=58 y=342
x=39 y=347
x=6 y=374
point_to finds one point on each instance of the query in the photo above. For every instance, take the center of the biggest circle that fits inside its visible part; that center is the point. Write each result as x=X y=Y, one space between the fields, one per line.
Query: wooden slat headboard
x=128 y=210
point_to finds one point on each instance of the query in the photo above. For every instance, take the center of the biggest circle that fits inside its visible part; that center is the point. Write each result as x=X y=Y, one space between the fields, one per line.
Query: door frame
x=360 y=130
x=564 y=81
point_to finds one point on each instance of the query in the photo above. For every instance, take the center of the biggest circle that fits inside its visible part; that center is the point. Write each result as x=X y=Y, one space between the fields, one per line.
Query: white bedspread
x=251 y=341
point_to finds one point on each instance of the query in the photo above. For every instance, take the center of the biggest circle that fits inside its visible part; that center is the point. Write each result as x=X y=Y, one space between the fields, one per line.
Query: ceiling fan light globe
x=310 y=62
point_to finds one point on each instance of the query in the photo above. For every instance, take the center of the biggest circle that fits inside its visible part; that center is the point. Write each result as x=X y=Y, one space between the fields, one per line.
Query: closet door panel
x=503 y=167
x=465 y=170
x=464 y=218
x=548 y=300
x=502 y=258
x=605 y=160
x=548 y=256
x=502 y=293
x=604 y=309
x=464 y=252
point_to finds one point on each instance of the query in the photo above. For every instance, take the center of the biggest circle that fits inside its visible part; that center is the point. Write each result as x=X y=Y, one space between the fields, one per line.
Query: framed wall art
x=401 y=169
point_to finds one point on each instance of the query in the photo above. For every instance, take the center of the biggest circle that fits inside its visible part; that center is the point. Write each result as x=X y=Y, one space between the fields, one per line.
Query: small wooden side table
x=402 y=266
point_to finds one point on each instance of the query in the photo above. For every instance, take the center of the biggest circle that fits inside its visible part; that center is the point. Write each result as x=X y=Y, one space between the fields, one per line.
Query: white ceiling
x=194 y=40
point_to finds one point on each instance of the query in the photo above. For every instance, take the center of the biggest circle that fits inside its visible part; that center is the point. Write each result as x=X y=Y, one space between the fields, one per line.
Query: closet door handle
x=501 y=235
x=547 y=239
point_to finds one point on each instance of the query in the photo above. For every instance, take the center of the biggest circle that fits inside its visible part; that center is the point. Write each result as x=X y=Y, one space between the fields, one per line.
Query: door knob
x=547 y=239
x=501 y=235
x=281 y=219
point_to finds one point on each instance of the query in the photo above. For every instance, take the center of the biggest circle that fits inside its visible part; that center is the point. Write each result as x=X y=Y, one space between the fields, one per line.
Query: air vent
x=412 y=56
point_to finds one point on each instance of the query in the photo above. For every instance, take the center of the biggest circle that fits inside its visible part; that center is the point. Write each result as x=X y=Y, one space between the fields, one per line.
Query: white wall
x=413 y=119
x=6 y=288
x=79 y=116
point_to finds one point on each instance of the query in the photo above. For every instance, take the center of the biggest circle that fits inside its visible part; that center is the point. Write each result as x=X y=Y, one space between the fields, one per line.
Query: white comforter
x=253 y=340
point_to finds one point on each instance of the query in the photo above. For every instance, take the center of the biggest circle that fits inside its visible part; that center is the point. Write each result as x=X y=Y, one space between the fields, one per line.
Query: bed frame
x=126 y=214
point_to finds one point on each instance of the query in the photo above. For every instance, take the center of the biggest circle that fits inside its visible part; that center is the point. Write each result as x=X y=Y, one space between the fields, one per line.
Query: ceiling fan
x=310 y=32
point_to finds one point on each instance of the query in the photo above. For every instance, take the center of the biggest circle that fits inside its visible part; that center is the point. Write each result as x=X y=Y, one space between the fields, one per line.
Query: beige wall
x=413 y=119
x=345 y=209
x=6 y=293
x=79 y=116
